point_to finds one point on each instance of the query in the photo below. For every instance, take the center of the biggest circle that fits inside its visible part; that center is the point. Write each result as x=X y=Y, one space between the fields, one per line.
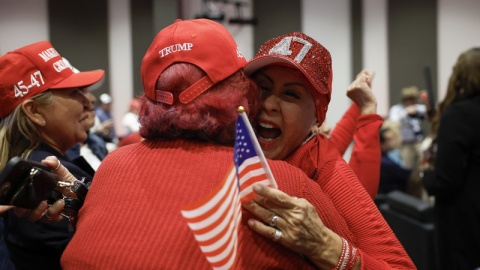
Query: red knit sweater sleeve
x=379 y=247
x=342 y=134
x=366 y=154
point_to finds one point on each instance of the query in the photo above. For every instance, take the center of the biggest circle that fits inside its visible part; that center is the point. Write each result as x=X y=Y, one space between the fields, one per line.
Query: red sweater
x=131 y=217
x=366 y=153
x=379 y=247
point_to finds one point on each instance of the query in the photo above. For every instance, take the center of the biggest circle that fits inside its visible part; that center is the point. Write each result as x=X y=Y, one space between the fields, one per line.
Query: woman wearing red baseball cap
x=44 y=111
x=294 y=72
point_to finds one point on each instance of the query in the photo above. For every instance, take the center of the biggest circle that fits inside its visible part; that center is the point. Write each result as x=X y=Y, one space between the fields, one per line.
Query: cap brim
x=258 y=63
x=261 y=62
x=86 y=79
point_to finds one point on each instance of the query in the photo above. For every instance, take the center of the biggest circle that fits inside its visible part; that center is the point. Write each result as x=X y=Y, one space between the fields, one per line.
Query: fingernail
x=257 y=188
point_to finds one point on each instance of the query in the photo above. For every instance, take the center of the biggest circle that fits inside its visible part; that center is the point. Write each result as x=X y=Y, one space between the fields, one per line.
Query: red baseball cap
x=201 y=42
x=299 y=51
x=34 y=69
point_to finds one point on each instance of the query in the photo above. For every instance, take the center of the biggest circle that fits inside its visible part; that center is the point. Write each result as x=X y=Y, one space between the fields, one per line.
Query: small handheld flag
x=214 y=221
x=252 y=167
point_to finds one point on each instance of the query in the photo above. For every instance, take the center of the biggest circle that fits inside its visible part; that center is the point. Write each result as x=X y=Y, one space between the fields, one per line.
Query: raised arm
x=361 y=123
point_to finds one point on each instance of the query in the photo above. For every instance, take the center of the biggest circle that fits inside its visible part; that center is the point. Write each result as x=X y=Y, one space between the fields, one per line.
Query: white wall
x=328 y=22
x=120 y=59
x=375 y=50
x=458 y=30
x=22 y=22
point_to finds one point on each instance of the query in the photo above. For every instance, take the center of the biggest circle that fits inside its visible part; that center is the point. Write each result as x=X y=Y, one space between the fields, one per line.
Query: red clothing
x=366 y=153
x=131 y=217
x=133 y=137
x=379 y=247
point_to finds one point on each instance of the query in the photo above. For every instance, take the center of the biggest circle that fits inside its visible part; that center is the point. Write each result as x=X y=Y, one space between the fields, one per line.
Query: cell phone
x=25 y=183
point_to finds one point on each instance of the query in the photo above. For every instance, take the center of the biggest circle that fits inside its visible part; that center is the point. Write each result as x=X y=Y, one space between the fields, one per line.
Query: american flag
x=252 y=167
x=214 y=221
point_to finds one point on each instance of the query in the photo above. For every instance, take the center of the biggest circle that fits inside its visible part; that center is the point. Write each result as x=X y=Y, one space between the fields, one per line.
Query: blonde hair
x=393 y=126
x=18 y=135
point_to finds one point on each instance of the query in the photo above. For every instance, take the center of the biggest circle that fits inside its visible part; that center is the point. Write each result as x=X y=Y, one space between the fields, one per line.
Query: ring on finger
x=278 y=234
x=47 y=217
x=274 y=220
x=58 y=166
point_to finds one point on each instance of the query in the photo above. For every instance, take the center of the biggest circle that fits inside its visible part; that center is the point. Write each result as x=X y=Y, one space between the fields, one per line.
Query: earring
x=315 y=129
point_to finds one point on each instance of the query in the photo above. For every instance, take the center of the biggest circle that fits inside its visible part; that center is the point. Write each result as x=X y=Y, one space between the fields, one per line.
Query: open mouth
x=268 y=132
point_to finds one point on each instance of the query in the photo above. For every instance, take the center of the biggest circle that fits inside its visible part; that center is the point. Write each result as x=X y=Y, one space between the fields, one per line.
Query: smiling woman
x=43 y=112
x=66 y=104
x=295 y=74
x=288 y=111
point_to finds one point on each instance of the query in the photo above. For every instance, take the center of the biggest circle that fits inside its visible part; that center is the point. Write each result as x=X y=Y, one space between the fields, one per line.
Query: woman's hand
x=294 y=223
x=42 y=211
x=360 y=92
x=49 y=213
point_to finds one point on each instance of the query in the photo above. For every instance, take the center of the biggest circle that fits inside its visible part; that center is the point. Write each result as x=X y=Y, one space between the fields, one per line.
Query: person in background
x=452 y=172
x=410 y=115
x=105 y=126
x=393 y=176
x=43 y=112
x=131 y=125
x=294 y=72
x=360 y=123
x=131 y=138
x=130 y=119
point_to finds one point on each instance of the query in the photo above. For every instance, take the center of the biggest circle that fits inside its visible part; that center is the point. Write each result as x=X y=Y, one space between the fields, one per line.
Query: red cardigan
x=379 y=247
x=366 y=153
x=131 y=217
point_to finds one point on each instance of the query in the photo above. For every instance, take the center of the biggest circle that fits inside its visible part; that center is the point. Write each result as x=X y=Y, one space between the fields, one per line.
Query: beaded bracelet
x=342 y=255
x=353 y=259
x=348 y=257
